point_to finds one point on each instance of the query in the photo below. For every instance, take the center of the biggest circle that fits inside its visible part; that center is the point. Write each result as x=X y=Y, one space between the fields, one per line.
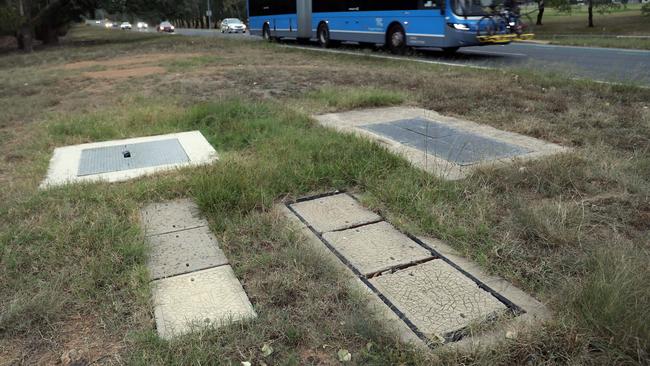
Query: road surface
x=600 y=64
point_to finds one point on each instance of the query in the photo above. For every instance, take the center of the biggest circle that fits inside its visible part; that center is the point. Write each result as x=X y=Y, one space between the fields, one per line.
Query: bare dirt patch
x=81 y=341
x=129 y=60
x=125 y=73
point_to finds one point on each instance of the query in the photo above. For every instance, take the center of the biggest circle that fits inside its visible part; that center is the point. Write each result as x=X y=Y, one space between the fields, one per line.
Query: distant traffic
x=228 y=25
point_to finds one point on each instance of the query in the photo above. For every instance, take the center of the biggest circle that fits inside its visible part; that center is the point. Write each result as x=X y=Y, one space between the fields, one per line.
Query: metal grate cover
x=455 y=145
x=131 y=156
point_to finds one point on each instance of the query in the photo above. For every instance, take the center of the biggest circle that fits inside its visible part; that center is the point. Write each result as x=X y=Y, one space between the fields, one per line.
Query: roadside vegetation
x=573 y=230
x=623 y=27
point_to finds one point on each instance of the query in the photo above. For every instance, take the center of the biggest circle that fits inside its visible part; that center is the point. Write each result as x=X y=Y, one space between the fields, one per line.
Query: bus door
x=427 y=25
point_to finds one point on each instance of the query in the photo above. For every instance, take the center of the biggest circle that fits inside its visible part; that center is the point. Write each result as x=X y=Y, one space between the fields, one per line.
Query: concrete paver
x=170 y=216
x=376 y=247
x=334 y=212
x=183 y=251
x=437 y=298
x=212 y=297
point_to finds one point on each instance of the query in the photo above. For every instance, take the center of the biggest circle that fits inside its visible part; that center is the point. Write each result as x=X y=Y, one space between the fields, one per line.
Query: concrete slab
x=170 y=216
x=334 y=212
x=360 y=122
x=183 y=251
x=376 y=247
x=535 y=311
x=374 y=304
x=64 y=165
x=212 y=297
x=437 y=298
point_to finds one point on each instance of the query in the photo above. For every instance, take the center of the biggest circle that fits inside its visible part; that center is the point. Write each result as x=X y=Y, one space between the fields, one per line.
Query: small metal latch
x=126 y=154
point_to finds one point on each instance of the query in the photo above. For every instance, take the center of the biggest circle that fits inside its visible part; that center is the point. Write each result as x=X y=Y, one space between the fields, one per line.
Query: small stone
x=344 y=355
x=245 y=363
x=267 y=350
x=511 y=334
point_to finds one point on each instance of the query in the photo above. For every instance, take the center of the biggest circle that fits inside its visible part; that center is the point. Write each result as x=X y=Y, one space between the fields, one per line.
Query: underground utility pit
x=120 y=160
x=450 y=148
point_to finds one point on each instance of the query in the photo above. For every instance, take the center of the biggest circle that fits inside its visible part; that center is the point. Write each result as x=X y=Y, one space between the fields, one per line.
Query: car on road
x=108 y=24
x=165 y=27
x=231 y=25
x=125 y=25
x=142 y=25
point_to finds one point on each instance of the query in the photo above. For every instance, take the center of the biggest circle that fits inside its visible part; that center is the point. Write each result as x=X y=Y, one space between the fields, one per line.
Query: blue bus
x=397 y=24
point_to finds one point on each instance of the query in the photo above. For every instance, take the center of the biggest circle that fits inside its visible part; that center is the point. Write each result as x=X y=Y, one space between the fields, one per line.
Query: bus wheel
x=266 y=33
x=396 y=40
x=323 y=35
x=448 y=51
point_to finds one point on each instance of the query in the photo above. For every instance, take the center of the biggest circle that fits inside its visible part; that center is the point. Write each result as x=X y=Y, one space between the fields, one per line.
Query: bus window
x=471 y=7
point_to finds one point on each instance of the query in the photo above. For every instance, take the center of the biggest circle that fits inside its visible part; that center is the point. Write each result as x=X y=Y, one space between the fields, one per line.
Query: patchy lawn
x=571 y=28
x=573 y=229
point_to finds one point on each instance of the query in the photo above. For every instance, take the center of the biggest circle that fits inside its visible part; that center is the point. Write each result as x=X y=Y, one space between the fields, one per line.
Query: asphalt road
x=600 y=64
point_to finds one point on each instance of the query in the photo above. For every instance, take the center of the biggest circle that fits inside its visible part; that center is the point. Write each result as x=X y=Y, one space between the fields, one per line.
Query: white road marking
x=386 y=57
x=495 y=53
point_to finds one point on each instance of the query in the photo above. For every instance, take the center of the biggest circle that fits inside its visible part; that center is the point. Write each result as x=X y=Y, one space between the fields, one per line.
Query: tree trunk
x=48 y=34
x=25 y=38
x=591 y=14
x=24 y=34
x=540 y=11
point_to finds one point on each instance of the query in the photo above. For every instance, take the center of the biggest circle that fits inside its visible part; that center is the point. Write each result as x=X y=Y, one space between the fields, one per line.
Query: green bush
x=645 y=9
x=9 y=19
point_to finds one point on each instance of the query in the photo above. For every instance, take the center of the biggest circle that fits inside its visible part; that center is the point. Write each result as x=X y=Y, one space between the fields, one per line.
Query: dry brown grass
x=125 y=73
x=520 y=222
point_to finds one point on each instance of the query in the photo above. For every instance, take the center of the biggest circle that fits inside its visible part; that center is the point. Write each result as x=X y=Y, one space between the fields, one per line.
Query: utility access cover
x=132 y=156
x=120 y=160
x=451 y=144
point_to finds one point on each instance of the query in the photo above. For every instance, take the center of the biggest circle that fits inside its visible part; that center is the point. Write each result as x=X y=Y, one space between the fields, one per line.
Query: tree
x=540 y=11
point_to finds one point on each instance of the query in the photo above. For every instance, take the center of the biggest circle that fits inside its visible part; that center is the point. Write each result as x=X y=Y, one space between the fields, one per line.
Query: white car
x=108 y=25
x=232 y=25
x=125 y=25
x=142 y=25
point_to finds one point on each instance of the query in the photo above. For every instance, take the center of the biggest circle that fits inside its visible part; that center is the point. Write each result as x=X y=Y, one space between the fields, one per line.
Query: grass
x=570 y=229
x=571 y=28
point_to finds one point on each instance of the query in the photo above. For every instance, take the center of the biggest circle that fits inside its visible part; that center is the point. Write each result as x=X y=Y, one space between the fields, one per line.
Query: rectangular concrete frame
x=535 y=311
x=64 y=164
x=212 y=297
x=352 y=121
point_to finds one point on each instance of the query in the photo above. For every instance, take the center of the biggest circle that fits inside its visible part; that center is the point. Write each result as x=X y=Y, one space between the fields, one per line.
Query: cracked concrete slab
x=211 y=297
x=376 y=247
x=437 y=298
x=334 y=212
x=170 y=216
x=183 y=251
x=362 y=123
